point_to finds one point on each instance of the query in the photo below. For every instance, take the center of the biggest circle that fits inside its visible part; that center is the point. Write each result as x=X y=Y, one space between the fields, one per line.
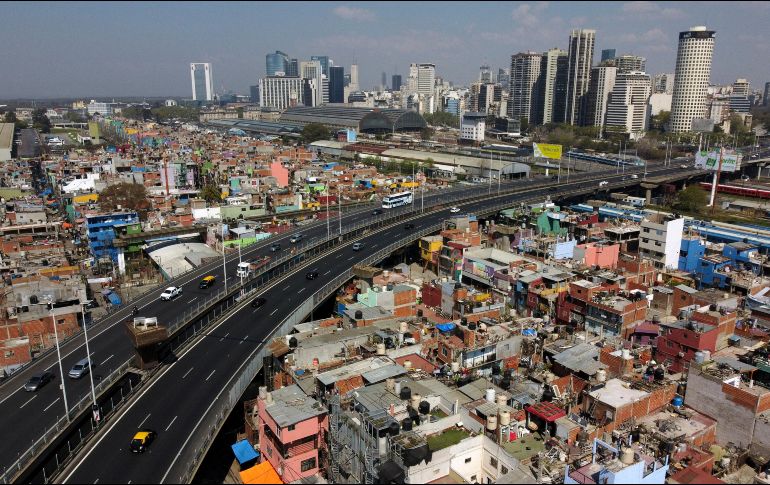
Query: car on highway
x=376 y=212
x=683 y=166
x=454 y=210
x=275 y=247
x=408 y=226
x=81 y=368
x=38 y=380
x=357 y=246
x=207 y=281
x=312 y=274
x=170 y=293
x=142 y=440
x=603 y=183
x=296 y=238
x=258 y=302
x=634 y=176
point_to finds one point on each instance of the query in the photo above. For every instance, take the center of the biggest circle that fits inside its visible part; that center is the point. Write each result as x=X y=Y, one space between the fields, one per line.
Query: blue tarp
x=445 y=327
x=529 y=332
x=244 y=451
x=114 y=298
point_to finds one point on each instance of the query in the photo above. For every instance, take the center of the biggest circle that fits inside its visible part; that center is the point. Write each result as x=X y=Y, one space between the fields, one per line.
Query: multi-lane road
x=25 y=416
x=180 y=396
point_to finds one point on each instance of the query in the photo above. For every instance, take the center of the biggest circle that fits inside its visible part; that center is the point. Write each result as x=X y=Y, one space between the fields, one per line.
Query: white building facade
x=628 y=106
x=281 y=92
x=691 y=78
x=660 y=240
x=202 y=81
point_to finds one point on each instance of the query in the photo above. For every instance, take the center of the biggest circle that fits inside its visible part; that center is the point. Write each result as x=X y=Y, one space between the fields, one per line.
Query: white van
x=243 y=270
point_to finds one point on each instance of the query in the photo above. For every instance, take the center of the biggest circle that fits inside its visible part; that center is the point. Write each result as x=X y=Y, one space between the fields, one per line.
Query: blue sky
x=144 y=49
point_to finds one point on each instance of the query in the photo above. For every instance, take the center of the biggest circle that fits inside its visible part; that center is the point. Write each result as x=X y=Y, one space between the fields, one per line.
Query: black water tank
x=33 y=300
x=570 y=329
x=416 y=419
x=383 y=432
x=359 y=315
x=419 y=312
x=660 y=374
x=548 y=394
x=458 y=286
x=495 y=370
x=393 y=429
x=472 y=326
x=505 y=383
x=406 y=393
x=412 y=412
x=464 y=321
x=293 y=343
x=406 y=424
x=681 y=388
x=650 y=370
x=424 y=407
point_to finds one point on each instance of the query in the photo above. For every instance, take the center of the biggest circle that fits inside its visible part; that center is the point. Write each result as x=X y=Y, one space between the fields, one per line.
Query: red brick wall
x=740 y=397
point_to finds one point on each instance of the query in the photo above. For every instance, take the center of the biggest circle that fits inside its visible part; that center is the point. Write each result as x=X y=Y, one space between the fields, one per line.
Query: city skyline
x=376 y=38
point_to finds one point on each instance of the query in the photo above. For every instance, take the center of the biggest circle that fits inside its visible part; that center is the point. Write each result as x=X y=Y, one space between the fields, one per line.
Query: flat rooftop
x=6 y=135
x=291 y=406
x=616 y=394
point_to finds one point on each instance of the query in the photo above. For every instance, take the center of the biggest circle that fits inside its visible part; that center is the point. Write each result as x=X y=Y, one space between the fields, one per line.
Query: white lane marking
x=96 y=481
x=286 y=287
x=273 y=312
x=350 y=258
x=144 y=420
x=243 y=340
x=172 y=422
x=188 y=372
x=47 y=407
x=108 y=358
x=374 y=246
x=301 y=290
x=30 y=400
x=11 y=395
x=212 y=373
x=327 y=272
x=193 y=300
x=228 y=333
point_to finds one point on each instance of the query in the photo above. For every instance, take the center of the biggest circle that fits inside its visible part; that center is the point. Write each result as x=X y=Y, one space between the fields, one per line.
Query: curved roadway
x=177 y=400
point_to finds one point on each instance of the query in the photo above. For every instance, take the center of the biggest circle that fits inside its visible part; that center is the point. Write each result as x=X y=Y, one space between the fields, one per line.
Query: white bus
x=396 y=200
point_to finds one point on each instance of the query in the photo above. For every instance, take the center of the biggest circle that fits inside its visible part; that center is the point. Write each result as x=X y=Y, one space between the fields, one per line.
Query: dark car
x=408 y=226
x=311 y=275
x=275 y=247
x=38 y=380
x=258 y=302
x=142 y=440
x=376 y=212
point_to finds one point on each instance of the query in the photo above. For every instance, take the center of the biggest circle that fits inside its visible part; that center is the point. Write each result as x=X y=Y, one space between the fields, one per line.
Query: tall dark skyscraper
x=766 y=95
x=336 y=84
x=580 y=57
x=254 y=94
x=324 y=60
x=293 y=68
x=395 y=82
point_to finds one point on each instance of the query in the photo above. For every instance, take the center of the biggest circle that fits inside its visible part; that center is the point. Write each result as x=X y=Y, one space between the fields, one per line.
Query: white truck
x=246 y=268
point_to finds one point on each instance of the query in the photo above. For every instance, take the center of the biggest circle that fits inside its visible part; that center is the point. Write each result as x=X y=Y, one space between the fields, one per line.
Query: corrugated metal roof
x=379 y=375
x=292 y=406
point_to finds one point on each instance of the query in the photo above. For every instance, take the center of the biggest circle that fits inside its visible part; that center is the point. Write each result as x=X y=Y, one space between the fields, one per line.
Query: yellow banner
x=547 y=151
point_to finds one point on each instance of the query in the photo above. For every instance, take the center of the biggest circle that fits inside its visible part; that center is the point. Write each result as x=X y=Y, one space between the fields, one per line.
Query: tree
x=127 y=196
x=426 y=133
x=660 y=120
x=691 y=199
x=10 y=117
x=524 y=124
x=211 y=193
x=40 y=121
x=74 y=117
x=315 y=131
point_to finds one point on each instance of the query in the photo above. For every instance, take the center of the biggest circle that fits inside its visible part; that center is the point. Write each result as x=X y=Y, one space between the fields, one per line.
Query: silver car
x=81 y=368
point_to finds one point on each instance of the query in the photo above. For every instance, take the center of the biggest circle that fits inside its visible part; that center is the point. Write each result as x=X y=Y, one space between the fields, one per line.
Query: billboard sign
x=547 y=151
x=710 y=161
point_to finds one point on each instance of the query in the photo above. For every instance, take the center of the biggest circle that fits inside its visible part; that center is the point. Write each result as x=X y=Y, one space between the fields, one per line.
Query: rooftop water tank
x=505 y=418
x=380 y=349
x=406 y=392
x=492 y=422
x=490 y=395
x=601 y=375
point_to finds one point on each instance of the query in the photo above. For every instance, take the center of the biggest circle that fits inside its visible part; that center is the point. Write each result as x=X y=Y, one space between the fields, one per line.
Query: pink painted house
x=280 y=173
x=292 y=432
x=598 y=254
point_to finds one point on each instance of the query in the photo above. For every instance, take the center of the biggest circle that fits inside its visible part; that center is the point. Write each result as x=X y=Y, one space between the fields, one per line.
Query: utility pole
x=224 y=261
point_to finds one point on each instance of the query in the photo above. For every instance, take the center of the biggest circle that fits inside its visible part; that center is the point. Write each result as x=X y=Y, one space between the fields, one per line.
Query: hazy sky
x=144 y=49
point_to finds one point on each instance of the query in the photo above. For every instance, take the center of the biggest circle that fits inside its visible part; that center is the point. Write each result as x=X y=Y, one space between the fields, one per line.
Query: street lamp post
x=88 y=352
x=58 y=355
x=224 y=261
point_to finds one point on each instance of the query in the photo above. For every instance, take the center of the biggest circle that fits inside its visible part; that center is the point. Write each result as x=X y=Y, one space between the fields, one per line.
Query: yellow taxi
x=207 y=281
x=142 y=440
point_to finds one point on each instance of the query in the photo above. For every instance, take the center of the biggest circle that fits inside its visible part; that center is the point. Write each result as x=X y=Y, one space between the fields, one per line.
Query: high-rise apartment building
x=628 y=63
x=663 y=83
x=202 y=81
x=277 y=62
x=600 y=87
x=292 y=69
x=485 y=74
x=503 y=78
x=607 y=55
x=766 y=95
x=580 y=58
x=336 y=84
x=384 y=81
x=552 y=87
x=325 y=63
x=254 y=93
x=523 y=95
x=426 y=78
x=395 y=82
x=741 y=87
x=691 y=77
x=281 y=92
x=627 y=107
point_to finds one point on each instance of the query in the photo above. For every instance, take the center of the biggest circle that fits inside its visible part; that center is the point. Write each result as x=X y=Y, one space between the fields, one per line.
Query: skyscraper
x=628 y=63
x=766 y=95
x=202 y=82
x=354 y=78
x=552 y=87
x=325 y=63
x=691 y=77
x=485 y=74
x=281 y=92
x=627 y=107
x=523 y=95
x=663 y=83
x=426 y=78
x=503 y=78
x=254 y=93
x=395 y=82
x=313 y=71
x=608 y=54
x=741 y=87
x=277 y=62
x=336 y=84
x=580 y=59
x=292 y=69
x=600 y=87
x=384 y=84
